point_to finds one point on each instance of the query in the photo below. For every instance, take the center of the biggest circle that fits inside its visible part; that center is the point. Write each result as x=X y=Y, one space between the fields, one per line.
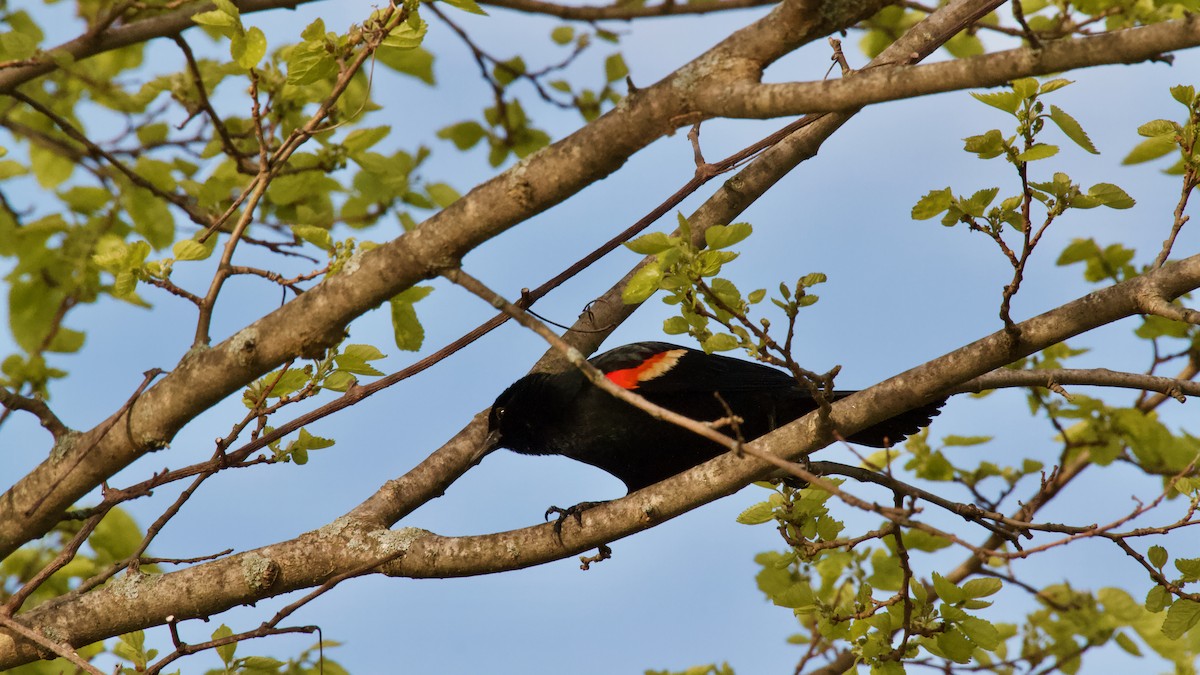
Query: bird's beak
x=492 y=441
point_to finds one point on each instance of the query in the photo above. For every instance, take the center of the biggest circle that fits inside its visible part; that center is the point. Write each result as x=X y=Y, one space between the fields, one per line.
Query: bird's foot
x=575 y=512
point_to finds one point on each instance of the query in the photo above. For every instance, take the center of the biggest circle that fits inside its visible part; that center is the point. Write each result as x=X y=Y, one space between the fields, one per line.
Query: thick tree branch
x=621 y=12
x=749 y=98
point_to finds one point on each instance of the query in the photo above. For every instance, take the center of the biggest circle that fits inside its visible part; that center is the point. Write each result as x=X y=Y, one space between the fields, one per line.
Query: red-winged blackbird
x=564 y=414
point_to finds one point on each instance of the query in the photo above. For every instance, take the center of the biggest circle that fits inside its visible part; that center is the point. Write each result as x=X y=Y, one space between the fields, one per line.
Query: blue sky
x=900 y=292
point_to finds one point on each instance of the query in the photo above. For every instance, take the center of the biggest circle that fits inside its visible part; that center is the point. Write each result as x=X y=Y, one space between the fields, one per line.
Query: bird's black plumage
x=564 y=414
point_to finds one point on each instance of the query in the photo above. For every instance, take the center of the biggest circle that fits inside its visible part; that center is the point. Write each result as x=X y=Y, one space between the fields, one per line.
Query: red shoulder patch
x=652 y=367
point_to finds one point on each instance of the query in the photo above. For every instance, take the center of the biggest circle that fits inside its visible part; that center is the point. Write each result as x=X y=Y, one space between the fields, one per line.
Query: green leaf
x=248 y=48
x=225 y=651
x=615 y=68
x=507 y=71
x=643 y=284
x=1038 y=151
x=981 y=632
x=1185 y=94
x=1111 y=196
x=946 y=590
x=1159 y=127
x=964 y=45
x=317 y=236
x=955 y=646
x=1078 y=250
x=215 y=19
x=466 y=6
x=978 y=202
x=416 y=62
x=1158 y=556
x=982 y=587
x=338 y=381
x=1125 y=642
x=650 y=244
x=50 y=168
x=66 y=341
x=1151 y=148
x=1180 y=618
x=1072 y=129
x=720 y=342
x=761 y=512
x=309 y=62
x=1025 y=87
x=723 y=236
x=1004 y=100
x=464 y=135
x=953 y=440
x=442 y=194
x=406 y=36
x=987 y=145
x=932 y=204
x=1157 y=599
x=676 y=325
x=1189 y=567
x=1050 y=85
x=361 y=139
x=562 y=35
x=409 y=332
x=190 y=249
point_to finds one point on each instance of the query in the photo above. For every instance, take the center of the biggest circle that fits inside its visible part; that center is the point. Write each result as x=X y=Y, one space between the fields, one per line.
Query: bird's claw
x=575 y=512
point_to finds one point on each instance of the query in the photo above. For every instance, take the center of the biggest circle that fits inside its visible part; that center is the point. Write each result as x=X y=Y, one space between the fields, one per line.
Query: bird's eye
x=498 y=413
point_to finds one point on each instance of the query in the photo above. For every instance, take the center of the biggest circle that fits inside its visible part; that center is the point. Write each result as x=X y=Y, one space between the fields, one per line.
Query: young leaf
x=467 y=6
x=1159 y=127
x=615 y=68
x=643 y=284
x=1151 y=148
x=932 y=204
x=408 y=331
x=1072 y=129
x=761 y=512
x=946 y=590
x=1004 y=100
x=1111 y=196
x=1038 y=151
x=650 y=244
x=724 y=236
x=1182 y=615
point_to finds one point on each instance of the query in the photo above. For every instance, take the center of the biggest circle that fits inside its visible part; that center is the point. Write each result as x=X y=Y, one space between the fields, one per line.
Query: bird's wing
x=660 y=367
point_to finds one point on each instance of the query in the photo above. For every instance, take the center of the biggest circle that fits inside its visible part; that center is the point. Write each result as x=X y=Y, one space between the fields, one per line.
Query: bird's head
x=512 y=418
x=523 y=413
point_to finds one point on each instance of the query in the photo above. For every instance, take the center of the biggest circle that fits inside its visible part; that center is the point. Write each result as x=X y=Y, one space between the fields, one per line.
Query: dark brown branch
x=38 y=408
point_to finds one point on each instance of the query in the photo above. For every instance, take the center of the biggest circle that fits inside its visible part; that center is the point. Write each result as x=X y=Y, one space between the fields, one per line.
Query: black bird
x=564 y=414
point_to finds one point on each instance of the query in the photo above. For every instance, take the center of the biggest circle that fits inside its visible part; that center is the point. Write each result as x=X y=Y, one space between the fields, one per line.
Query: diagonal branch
x=748 y=98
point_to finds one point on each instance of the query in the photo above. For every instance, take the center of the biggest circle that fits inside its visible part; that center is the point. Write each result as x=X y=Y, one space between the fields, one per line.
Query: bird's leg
x=569 y=512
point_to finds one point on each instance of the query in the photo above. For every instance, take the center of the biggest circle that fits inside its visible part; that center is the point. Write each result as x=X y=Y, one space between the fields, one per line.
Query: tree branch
x=1098 y=377
x=750 y=99
x=618 y=11
x=49 y=421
